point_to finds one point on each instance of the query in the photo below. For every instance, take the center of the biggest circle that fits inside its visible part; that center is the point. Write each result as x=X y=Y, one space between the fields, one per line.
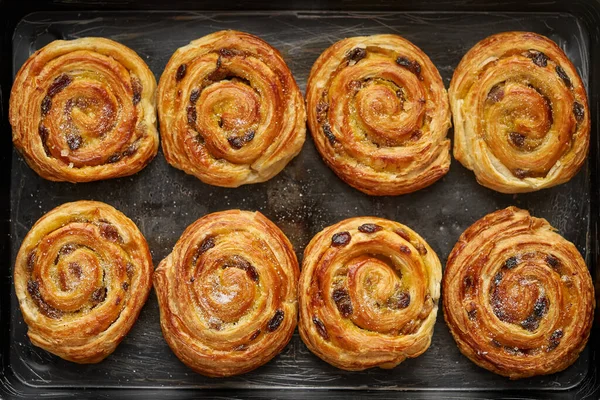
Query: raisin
x=114 y=158
x=511 y=262
x=33 y=288
x=46 y=105
x=404 y=249
x=416 y=135
x=31 y=261
x=520 y=173
x=322 y=109
x=194 y=96
x=255 y=335
x=340 y=239
x=74 y=141
x=369 y=228
x=412 y=66
x=472 y=314
x=496 y=94
x=356 y=54
x=342 y=300
x=129 y=270
x=99 y=295
x=235 y=142
x=563 y=75
x=125 y=286
x=540 y=307
x=249 y=136
x=555 y=338
x=59 y=84
x=496 y=343
x=227 y=52
x=517 y=138
x=275 y=321
x=578 y=111
x=552 y=261
x=136 y=87
x=498 y=278
x=207 y=244
x=109 y=232
x=243 y=264
x=538 y=58
x=181 y=71
x=328 y=133
x=403 y=234
x=191 y=115
x=321 y=328
x=75 y=269
x=421 y=249
x=531 y=323
x=399 y=300
x=467 y=283
x=118 y=301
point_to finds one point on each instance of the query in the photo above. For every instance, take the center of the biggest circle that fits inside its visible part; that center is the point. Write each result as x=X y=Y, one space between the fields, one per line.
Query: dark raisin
x=191 y=115
x=399 y=300
x=226 y=52
x=322 y=109
x=59 y=84
x=328 y=133
x=181 y=71
x=74 y=141
x=555 y=338
x=125 y=286
x=472 y=314
x=46 y=105
x=255 y=335
x=243 y=264
x=498 y=278
x=412 y=66
x=342 y=300
x=136 y=87
x=33 y=288
x=531 y=323
x=321 y=328
x=552 y=261
x=109 y=232
x=340 y=239
x=99 y=295
x=496 y=343
x=194 y=96
x=520 y=173
x=517 y=138
x=129 y=270
x=578 y=111
x=467 y=283
x=275 y=321
x=538 y=58
x=404 y=249
x=354 y=85
x=118 y=301
x=369 y=228
x=31 y=261
x=192 y=279
x=249 y=136
x=240 y=347
x=512 y=350
x=496 y=94
x=563 y=75
x=114 y=158
x=207 y=244
x=356 y=54
x=129 y=151
x=236 y=142
x=400 y=95
x=75 y=269
x=511 y=262
x=540 y=307
x=416 y=135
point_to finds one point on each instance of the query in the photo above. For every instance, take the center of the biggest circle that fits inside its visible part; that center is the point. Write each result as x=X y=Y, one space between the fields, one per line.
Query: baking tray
x=302 y=200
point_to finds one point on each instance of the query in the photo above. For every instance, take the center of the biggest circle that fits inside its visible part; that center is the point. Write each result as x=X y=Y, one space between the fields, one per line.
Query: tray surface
x=302 y=200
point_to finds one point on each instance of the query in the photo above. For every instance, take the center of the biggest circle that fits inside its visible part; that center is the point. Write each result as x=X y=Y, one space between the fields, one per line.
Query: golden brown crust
x=369 y=292
x=378 y=113
x=84 y=110
x=230 y=111
x=520 y=110
x=227 y=293
x=518 y=297
x=82 y=275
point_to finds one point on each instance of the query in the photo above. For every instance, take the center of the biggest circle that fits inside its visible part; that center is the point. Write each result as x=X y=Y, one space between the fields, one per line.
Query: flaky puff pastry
x=369 y=291
x=227 y=293
x=230 y=111
x=518 y=297
x=84 y=110
x=378 y=113
x=82 y=275
x=521 y=117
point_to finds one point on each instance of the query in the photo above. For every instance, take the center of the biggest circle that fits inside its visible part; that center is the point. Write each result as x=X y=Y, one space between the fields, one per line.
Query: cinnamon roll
x=518 y=297
x=82 y=275
x=230 y=111
x=378 y=113
x=83 y=110
x=227 y=293
x=369 y=291
x=521 y=117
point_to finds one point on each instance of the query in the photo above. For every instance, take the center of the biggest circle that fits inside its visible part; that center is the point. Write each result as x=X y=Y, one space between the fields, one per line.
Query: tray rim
x=586 y=11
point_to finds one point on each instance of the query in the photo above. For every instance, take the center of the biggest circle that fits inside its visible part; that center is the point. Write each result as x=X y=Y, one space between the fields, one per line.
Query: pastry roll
x=227 y=293
x=83 y=110
x=369 y=291
x=230 y=111
x=82 y=275
x=378 y=113
x=518 y=297
x=521 y=117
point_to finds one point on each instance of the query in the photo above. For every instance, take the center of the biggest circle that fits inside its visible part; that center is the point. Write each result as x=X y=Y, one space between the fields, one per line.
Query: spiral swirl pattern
x=520 y=112
x=378 y=113
x=518 y=297
x=369 y=291
x=227 y=293
x=82 y=275
x=83 y=110
x=230 y=111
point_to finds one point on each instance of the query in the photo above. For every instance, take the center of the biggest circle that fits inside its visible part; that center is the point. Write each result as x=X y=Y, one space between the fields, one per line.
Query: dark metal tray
x=301 y=200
